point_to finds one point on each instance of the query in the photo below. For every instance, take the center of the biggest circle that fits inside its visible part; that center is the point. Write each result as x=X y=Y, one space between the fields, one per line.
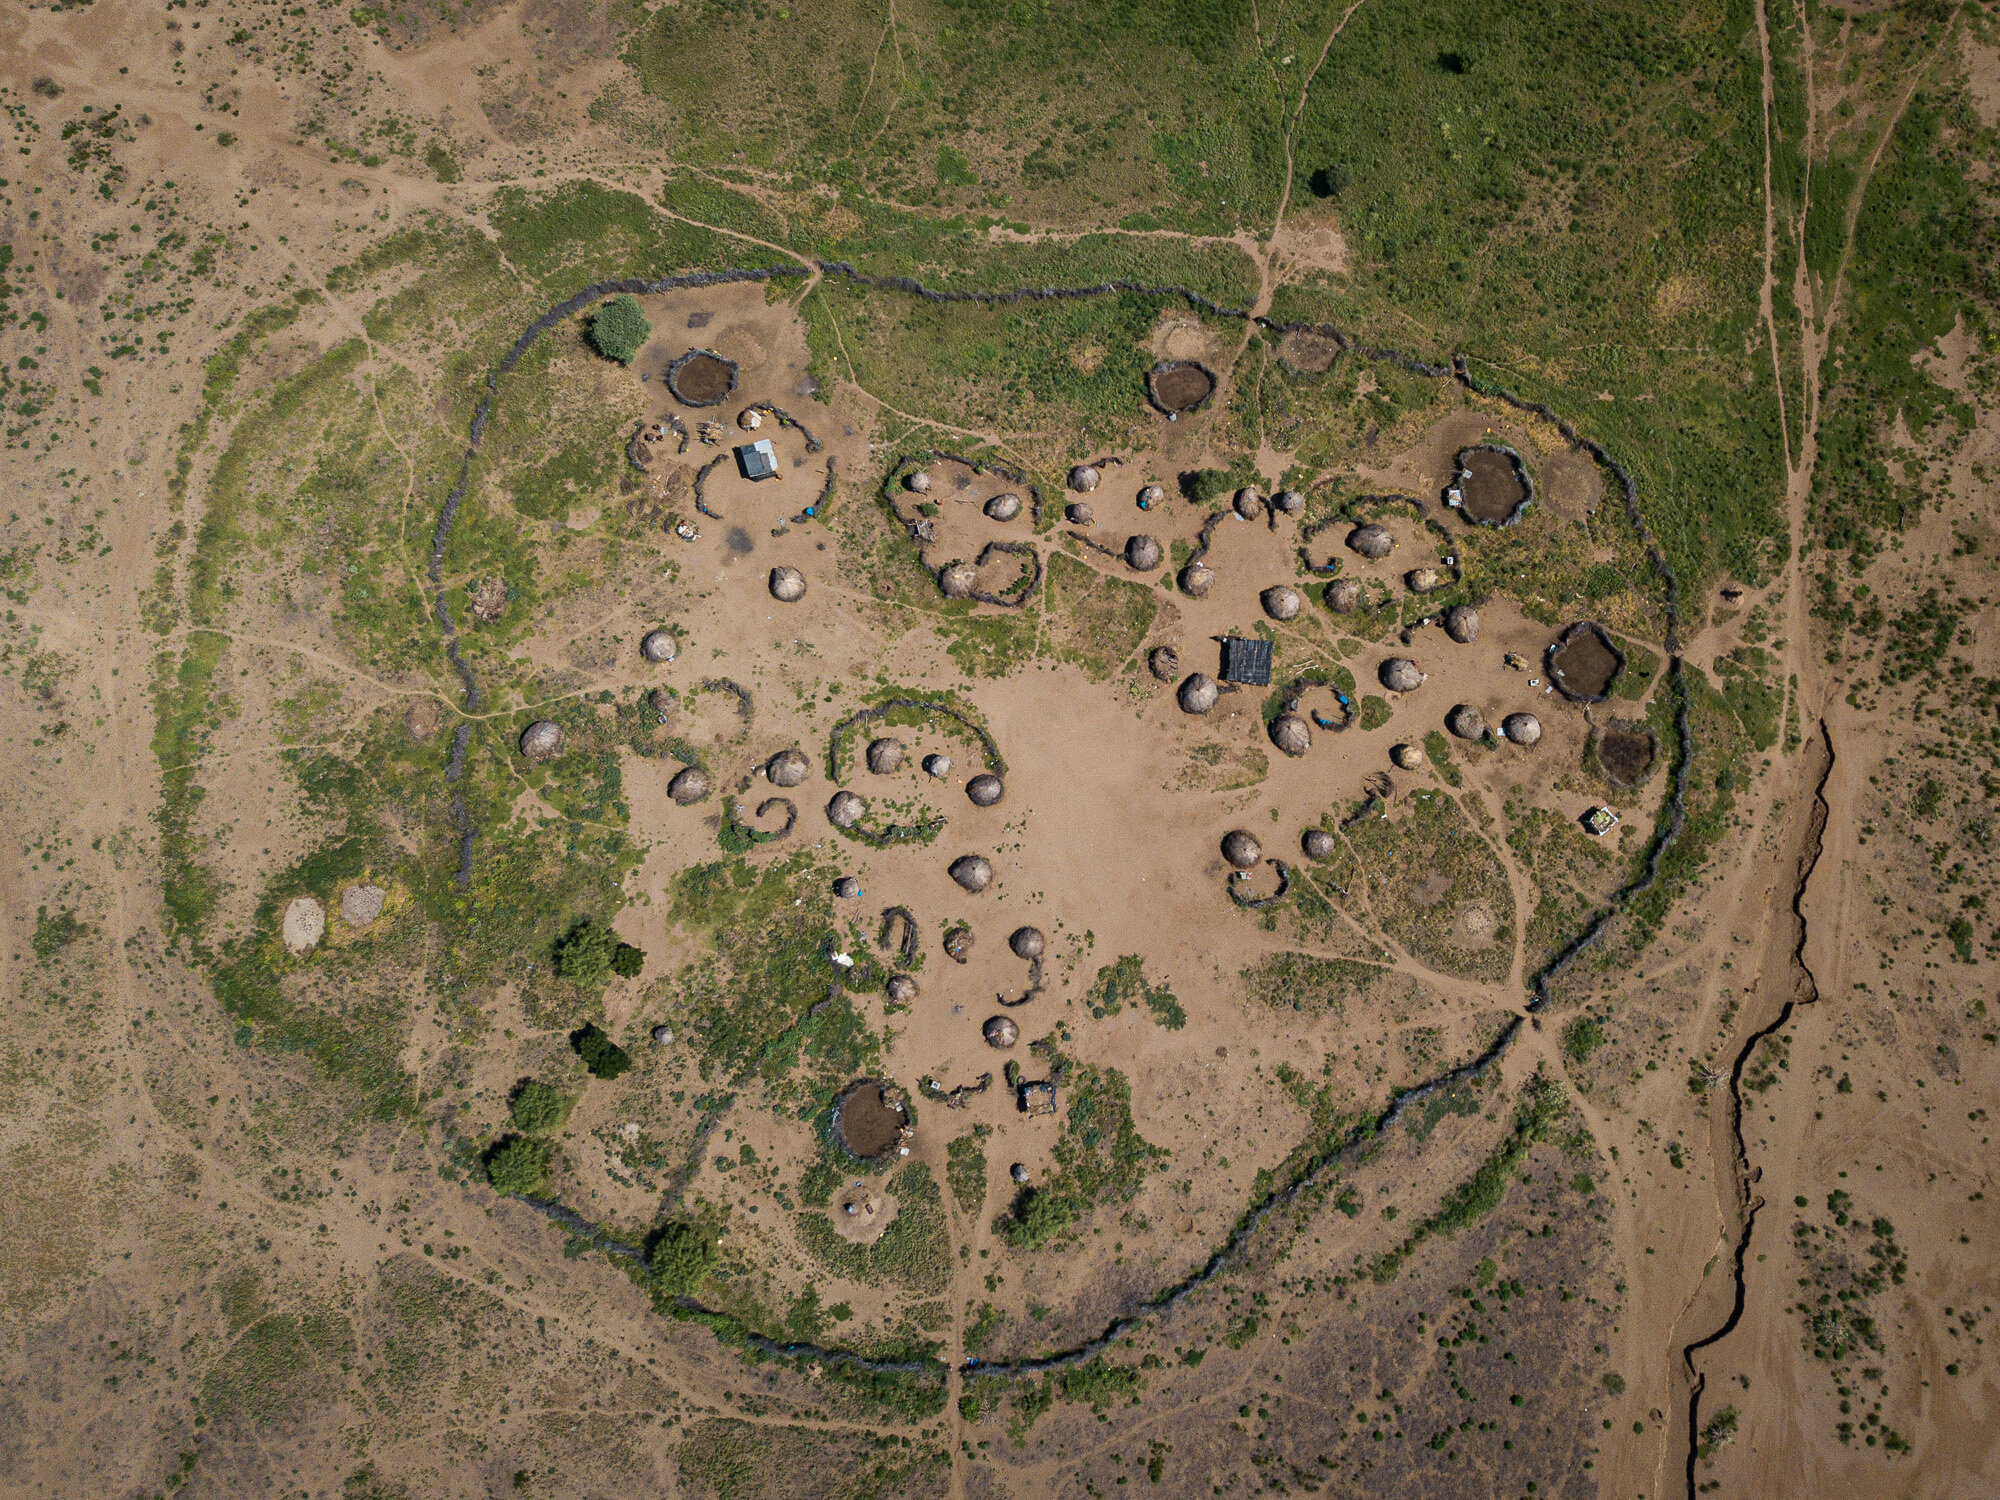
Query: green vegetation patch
x=1126 y=981
x=914 y=1252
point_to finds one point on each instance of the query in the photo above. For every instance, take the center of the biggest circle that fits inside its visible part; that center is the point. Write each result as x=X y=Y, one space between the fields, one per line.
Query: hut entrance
x=1584 y=663
x=871 y=1119
x=1180 y=385
x=701 y=378
x=1495 y=489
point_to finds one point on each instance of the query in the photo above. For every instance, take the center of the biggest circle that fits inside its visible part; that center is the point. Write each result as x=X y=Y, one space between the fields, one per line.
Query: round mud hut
x=787 y=768
x=1465 y=721
x=902 y=989
x=659 y=646
x=844 y=810
x=1248 y=503
x=847 y=888
x=1461 y=623
x=938 y=766
x=1371 y=541
x=1027 y=942
x=541 y=740
x=1197 y=578
x=788 y=585
x=1423 y=580
x=1199 y=693
x=1343 y=596
x=1080 y=514
x=749 y=419
x=1165 y=663
x=1522 y=729
x=1003 y=507
x=1317 y=844
x=1401 y=675
x=689 y=786
x=985 y=789
x=1083 y=479
x=1150 y=496
x=1289 y=502
x=1281 y=602
x=662 y=701
x=919 y=483
x=885 y=755
x=1290 y=734
x=1142 y=553
x=1001 y=1032
x=973 y=872
x=1241 y=849
x=1407 y=757
x=1019 y=1171
x=959 y=580
x=958 y=944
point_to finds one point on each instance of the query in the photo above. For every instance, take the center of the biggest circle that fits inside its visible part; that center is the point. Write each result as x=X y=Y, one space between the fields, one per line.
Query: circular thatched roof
x=1280 y=601
x=1197 y=578
x=885 y=755
x=1003 y=507
x=959 y=580
x=1151 y=495
x=787 y=768
x=1027 y=942
x=1317 y=844
x=1522 y=729
x=1343 y=596
x=919 y=482
x=1248 y=503
x=1083 y=479
x=663 y=1036
x=1465 y=721
x=1401 y=675
x=541 y=739
x=1290 y=734
x=1407 y=757
x=958 y=943
x=1461 y=623
x=1080 y=514
x=662 y=701
x=1165 y=663
x=845 y=809
x=659 y=645
x=788 y=585
x=847 y=888
x=974 y=872
x=689 y=786
x=1371 y=541
x=1423 y=580
x=1199 y=693
x=938 y=766
x=749 y=419
x=985 y=789
x=1241 y=849
x=1019 y=1171
x=902 y=989
x=1001 y=1032
x=1289 y=502
x=1142 y=553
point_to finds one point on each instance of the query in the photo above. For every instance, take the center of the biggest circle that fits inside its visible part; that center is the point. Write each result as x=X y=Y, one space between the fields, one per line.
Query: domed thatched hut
x=958 y=944
x=1280 y=601
x=1080 y=514
x=1423 y=580
x=1407 y=757
x=1461 y=623
x=1165 y=663
x=938 y=766
x=845 y=809
x=787 y=768
x=1000 y=1032
x=1197 y=578
x=885 y=755
x=973 y=872
x=902 y=989
x=847 y=888
x=1142 y=553
x=659 y=646
x=689 y=786
x=1019 y=1171
x=1151 y=496
x=1248 y=503
x=1241 y=849
x=1083 y=479
x=959 y=580
x=1372 y=541
x=1290 y=734
x=1027 y=942
x=1003 y=507
x=1289 y=502
x=1199 y=693
x=750 y=419
x=1522 y=729
x=1317 y=844
x=919 y=482
x=662 y=701
x=1343 y=596
x=1400 y=675
x=541 y=740
x=788 y=585
x=985 y=789
x=1465 y=721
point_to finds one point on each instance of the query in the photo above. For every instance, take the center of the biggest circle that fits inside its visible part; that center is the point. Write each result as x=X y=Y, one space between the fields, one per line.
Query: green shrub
x=1582 y=1037
x=620 y=330
x=1038 y=1217
x=55 y=933
x=583 y=954
x=627 y=961
x=517 y=1166
x=604 y=1057
x=679 y=1258
x=540 y=1107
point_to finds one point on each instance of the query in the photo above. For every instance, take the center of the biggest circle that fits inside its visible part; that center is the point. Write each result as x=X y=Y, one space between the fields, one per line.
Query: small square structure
x=1600 y=821
x=758 y=460
x=1037 y=1098
x=1246 y=661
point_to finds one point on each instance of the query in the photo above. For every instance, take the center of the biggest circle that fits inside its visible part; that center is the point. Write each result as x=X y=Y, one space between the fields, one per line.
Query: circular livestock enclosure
x=701 y=377
x=1625 y=751
x=869 y=1118
x=1177 y=386
x=1494 y=483
x=1583 y=664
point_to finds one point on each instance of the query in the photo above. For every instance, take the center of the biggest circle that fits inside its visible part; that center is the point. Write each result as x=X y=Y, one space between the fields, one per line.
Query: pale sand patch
x=1310 y=247
x=1982 y=78
x=305 y=924
x=362 y=904
x=860 y=1215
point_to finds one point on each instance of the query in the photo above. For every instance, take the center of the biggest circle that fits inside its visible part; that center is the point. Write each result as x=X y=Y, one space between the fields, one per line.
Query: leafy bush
x=604 y=1057
x=517 y=1166
x=620 y=330
x=627 y=961
x=1582 y=1037
x=1038 y=1217
x=679 y=1259
x=583 y=954
x=540 y=1107
x=54 y=933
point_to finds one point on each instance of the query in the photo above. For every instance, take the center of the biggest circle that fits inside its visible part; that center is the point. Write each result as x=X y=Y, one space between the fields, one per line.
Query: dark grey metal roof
x=1247 y=661
x=758 y=460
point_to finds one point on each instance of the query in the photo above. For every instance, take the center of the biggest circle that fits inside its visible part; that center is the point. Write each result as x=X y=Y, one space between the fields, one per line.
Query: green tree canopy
x=517 y=1166
x=620 y=329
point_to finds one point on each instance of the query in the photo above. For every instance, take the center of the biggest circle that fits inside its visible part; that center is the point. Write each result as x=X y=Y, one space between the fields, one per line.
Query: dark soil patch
x=1180 y=386
x=869 y=1125
x=1625 y=753
x=1583 y=663
x=1498 y=488
x=738 y=541
x=701 y=377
